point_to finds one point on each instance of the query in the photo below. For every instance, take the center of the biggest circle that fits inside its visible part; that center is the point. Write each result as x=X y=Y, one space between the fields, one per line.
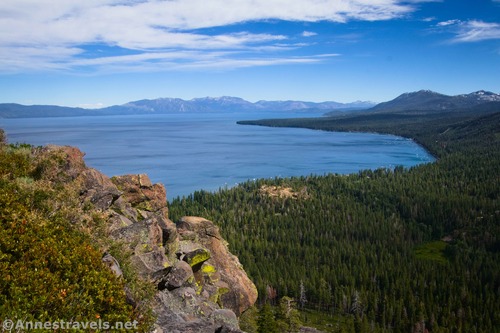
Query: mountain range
x=413 y=102
x=177 y=105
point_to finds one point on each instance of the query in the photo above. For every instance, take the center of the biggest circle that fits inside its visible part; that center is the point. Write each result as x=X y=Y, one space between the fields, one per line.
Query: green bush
x=50 y=269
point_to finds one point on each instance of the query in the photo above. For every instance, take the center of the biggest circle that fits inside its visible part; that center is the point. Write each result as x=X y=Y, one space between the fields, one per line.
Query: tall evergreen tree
x=267 y=322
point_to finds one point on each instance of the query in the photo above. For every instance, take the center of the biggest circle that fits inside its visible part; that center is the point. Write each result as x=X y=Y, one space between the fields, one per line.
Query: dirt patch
x=283 y=192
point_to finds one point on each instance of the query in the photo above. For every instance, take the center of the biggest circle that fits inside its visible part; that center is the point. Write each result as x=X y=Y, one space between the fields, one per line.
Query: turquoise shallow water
x=188 y=152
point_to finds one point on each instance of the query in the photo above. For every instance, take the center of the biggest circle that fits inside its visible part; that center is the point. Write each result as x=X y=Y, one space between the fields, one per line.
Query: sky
x=97 y=53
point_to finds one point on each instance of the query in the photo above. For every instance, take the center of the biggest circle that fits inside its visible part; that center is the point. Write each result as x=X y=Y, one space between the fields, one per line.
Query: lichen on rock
x=197 y=257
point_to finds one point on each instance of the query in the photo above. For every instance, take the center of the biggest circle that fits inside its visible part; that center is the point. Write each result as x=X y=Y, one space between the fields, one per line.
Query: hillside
x=403 y=250
x=426 y=100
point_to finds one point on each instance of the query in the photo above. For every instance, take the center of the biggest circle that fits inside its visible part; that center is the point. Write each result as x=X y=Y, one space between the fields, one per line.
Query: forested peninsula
x=388 y=250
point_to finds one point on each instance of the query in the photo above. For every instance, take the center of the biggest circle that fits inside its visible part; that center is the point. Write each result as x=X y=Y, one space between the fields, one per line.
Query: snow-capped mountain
x=427 y=100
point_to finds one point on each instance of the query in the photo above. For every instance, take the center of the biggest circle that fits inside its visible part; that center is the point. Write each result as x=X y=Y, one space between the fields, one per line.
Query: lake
x=189 y=152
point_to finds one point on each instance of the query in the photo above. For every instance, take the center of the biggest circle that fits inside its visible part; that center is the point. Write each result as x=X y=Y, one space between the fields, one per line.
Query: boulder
x=198 y=226
x=98 y=189
x=168 y=229
x=183 y=310
x=178 y=311
x=141 y=193
x=142 y=237
x=180 y=273
x=225 y=317
x=150 y=265
x=170 y=239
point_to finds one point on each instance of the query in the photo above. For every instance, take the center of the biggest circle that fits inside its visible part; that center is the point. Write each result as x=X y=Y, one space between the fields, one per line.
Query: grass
x=433 y=251
x=324 y=321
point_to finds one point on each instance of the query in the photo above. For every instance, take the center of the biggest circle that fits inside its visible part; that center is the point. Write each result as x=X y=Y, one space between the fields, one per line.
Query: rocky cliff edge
x=200 y=285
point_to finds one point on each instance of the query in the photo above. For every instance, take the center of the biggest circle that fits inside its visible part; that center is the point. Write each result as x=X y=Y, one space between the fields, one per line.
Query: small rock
x=117 y=222
x=113 y=264
x=124 y=208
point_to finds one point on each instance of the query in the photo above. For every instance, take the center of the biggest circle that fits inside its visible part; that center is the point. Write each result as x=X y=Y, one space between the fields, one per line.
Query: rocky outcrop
x=242 y=293
x=201 y=286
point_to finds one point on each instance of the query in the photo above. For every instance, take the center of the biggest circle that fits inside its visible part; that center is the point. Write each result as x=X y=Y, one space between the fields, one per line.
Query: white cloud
x=471 y=31
x=53 y=34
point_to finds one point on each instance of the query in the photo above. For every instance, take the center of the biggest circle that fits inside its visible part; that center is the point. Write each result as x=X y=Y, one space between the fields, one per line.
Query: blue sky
x=96 y=53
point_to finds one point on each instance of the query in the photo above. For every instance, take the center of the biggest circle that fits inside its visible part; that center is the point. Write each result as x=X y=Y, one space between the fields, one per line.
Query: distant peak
x=484 y=95
x=423 y=92
x=484 y=92
x=219 y=98
x=427 y=91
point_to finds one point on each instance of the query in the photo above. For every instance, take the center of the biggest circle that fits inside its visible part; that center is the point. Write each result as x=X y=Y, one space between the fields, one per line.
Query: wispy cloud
x=474 y=31
x=447 y=23
x=308 y=34
x=55 y=34
x=471 y=31
x=429 y=19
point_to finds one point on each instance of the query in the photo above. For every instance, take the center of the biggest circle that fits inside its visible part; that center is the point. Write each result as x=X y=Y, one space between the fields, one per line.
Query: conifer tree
x=302 y=296
x=267 y=323
x=288 y=317
x=248 y=320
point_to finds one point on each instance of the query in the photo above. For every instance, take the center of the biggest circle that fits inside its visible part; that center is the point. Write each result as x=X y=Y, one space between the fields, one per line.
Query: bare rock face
x=201 y=286
x=242 y=293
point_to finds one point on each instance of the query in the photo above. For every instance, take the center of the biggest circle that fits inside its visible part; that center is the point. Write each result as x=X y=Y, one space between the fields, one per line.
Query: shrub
x=50 y=269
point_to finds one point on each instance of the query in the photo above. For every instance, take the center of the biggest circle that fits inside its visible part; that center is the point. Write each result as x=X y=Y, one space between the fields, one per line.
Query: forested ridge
x=403 y=250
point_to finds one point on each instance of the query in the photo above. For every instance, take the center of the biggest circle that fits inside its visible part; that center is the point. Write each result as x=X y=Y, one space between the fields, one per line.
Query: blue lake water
x=189 y=152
